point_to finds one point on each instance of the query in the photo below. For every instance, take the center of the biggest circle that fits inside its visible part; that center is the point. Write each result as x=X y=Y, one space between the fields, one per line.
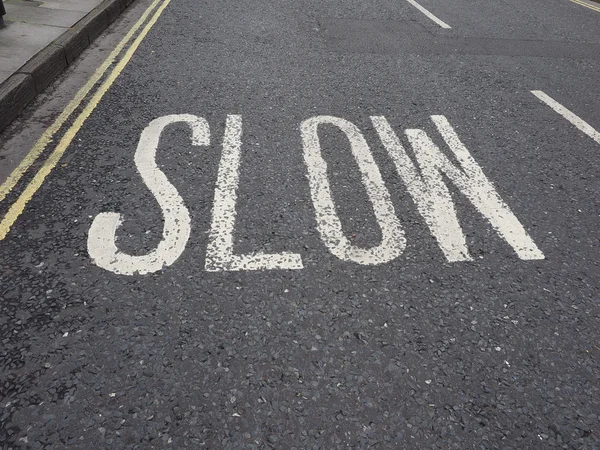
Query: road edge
x=31 y=79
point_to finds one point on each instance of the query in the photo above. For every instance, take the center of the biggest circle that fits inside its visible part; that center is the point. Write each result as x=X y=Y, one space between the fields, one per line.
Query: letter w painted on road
x=432 y=196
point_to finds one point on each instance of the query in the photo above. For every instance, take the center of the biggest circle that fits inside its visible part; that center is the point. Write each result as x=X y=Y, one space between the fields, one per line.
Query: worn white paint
x=219 y=253
x=581 y=124
x=433 y=198
x=441 y=23
x=426 y=179
x=428 y=190
x=393 y=242
x=101 y=243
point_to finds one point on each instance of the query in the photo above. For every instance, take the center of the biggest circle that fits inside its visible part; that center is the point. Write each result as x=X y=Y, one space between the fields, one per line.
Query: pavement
x=29 y=26
x=40 y=39
x=309 y=224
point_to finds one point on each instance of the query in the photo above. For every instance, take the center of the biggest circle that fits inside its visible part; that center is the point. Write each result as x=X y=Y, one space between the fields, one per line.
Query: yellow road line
x=46 y=138
x=587 y=5
x=18 y=206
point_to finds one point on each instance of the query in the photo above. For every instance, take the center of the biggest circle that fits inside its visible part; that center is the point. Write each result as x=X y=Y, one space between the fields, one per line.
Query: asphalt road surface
x=309 y=224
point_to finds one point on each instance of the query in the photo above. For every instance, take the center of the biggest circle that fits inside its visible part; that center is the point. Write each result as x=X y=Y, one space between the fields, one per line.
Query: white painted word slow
x=425 y=181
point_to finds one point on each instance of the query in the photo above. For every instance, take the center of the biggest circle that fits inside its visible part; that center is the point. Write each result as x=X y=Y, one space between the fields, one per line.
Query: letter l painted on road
x=219 y=253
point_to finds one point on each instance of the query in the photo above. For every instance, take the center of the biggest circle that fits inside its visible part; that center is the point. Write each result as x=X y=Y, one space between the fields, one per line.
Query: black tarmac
x=417 y=353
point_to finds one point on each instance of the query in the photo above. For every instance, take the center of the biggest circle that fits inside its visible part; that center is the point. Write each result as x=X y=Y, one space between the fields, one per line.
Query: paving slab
x=73 y=5
x=41 y=39
x=34 y=13
x=29 y=26
x=20 y=41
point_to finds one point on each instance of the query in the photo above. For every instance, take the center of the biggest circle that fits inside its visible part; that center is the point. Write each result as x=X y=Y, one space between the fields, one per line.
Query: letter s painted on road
x=176 y=230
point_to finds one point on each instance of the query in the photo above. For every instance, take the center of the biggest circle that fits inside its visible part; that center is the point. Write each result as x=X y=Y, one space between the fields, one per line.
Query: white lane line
x=570 y=116
x=441 y=23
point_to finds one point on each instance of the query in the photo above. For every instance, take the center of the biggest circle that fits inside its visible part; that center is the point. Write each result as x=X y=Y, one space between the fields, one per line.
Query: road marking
x=433 y=198
x=427 y=182
x=101 y=241
x=581 y=124
x=441 y=23
x=587 y=5
x=46 y=137
x=429 y=192
x=19 y=205
x=219 y=253
x=393 y=241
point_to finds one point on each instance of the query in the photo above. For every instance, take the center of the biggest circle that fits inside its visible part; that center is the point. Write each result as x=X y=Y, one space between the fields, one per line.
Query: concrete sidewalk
x=40 y=39
x=29 y=26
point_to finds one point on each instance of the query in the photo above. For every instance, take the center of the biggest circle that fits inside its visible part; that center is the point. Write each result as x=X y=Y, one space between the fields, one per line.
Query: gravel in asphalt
x=409 y=351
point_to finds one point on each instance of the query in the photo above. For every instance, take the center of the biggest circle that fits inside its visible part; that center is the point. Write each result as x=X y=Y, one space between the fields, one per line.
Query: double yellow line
x=17 y=208
x=587 y=5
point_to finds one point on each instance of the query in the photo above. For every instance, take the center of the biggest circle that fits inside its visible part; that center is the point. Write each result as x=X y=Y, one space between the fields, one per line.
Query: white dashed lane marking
x=581 y=124
x=440 y=22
